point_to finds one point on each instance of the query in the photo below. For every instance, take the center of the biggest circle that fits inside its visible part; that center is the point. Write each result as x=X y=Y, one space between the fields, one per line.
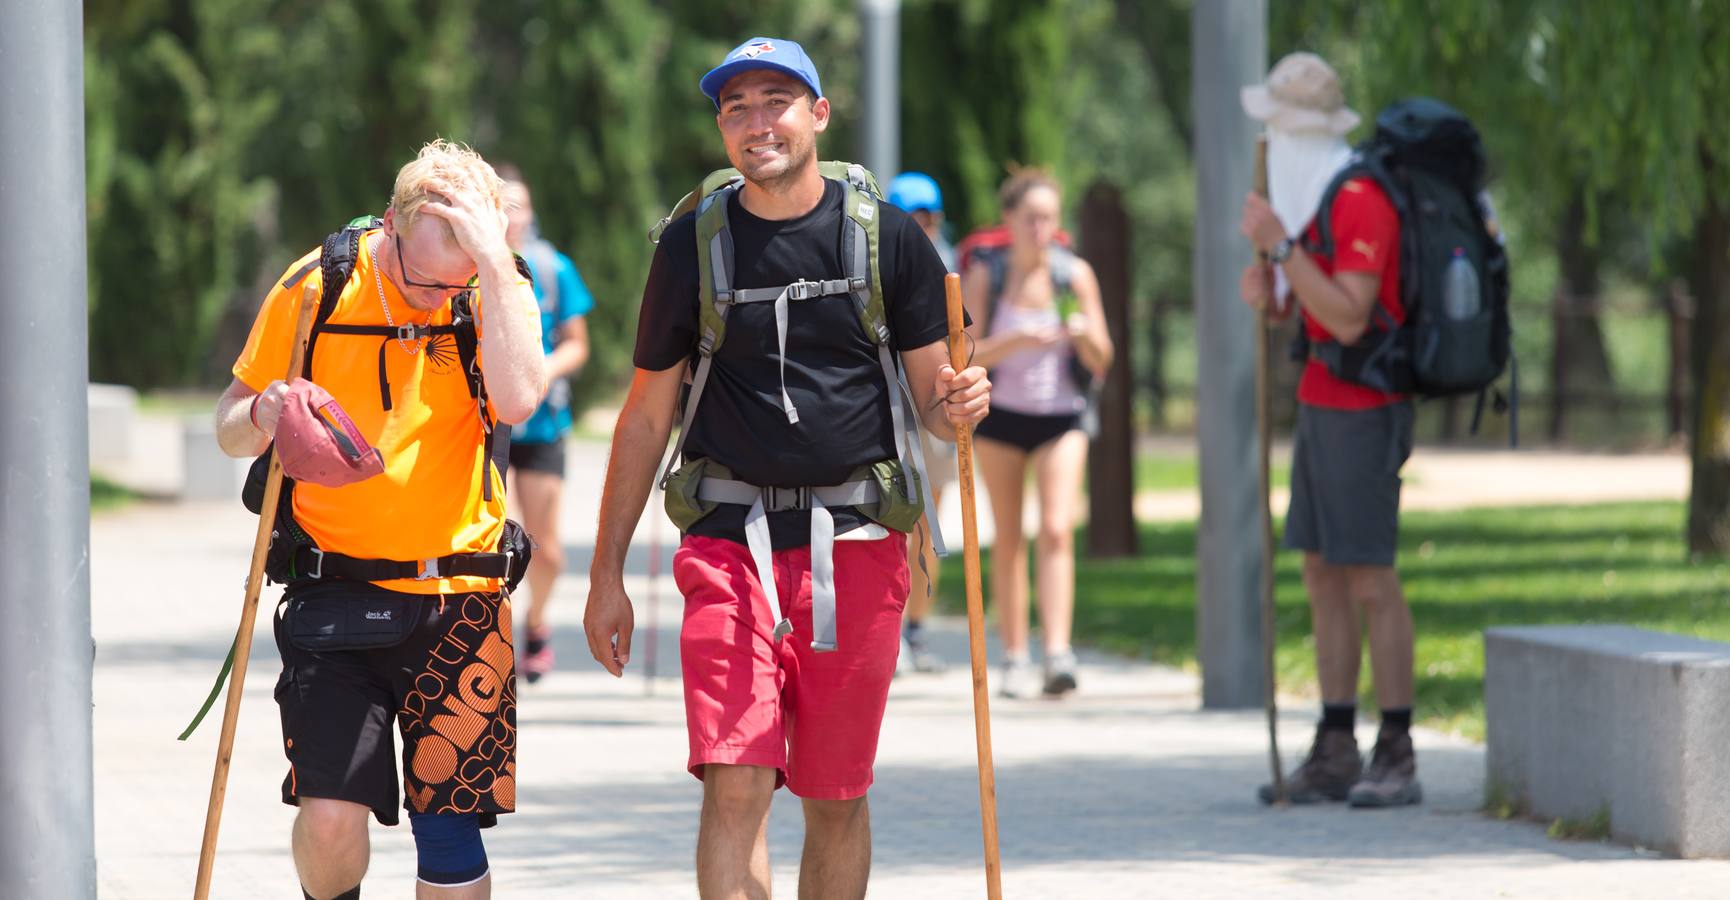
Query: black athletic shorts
x=450 y=688
x=1345 y=483
x=1024 y=432
x=548 y=458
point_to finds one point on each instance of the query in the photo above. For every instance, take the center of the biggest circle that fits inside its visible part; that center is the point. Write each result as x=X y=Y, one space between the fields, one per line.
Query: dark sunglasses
x=431 y=285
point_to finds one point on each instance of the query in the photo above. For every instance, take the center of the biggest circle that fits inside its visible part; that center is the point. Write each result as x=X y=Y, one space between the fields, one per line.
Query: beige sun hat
x=1302 y=94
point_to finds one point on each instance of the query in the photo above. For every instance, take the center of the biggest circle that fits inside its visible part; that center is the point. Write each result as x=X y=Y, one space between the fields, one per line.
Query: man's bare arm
x=639 y=440
x=1342 y=303
x=235 y=432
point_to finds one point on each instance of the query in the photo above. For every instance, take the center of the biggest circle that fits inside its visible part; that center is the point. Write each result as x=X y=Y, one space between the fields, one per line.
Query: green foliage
x=107 y=496
x=1595 y=827
x=982 y=89
x=226 y=139
x=598 y=104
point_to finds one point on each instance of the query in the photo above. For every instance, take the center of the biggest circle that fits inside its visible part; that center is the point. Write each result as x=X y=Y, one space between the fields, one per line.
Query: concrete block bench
x=1586 y=719
x=112 y=410
x=207 y=472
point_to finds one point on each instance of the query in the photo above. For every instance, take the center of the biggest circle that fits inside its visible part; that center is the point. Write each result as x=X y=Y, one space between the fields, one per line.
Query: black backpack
x=1427 y=157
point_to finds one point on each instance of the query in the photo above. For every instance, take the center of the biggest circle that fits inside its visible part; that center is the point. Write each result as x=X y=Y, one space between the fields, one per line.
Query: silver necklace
x=377 y=282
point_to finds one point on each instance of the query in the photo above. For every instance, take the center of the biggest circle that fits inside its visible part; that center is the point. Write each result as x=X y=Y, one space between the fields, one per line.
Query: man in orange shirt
x=1351 y=439
x=416 y=555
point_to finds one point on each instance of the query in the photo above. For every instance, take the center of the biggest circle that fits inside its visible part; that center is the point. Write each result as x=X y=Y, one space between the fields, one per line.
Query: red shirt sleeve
x=1366 y=230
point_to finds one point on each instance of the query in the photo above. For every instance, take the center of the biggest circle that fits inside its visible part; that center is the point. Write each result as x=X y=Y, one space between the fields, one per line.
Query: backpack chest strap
x=798 y=290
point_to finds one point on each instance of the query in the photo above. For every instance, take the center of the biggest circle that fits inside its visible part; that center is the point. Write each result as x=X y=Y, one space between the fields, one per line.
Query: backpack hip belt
x=311 y=562
x=765 y=500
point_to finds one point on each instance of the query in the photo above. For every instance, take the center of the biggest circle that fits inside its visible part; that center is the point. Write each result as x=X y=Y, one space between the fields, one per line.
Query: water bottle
x=1460 y=299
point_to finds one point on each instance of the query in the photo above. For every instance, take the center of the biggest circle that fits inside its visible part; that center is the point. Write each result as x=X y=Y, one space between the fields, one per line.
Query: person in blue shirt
x=537 y=450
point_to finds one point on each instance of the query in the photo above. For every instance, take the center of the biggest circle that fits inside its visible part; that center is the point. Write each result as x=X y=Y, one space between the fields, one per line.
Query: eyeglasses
x=430 y=285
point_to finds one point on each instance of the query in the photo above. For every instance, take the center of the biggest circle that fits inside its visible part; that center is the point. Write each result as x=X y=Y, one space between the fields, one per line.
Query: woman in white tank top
x=1036 y=321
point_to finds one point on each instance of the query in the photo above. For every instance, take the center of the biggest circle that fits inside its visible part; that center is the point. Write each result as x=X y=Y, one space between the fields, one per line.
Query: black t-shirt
x=833 y=375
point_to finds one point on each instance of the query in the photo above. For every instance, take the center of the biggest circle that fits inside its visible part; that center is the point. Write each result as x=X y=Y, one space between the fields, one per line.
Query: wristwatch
x=1281 y=251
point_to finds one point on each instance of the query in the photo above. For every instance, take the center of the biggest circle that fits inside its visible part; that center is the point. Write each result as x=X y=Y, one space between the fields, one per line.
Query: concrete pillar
x=47 y=839
x=1228 y=49
x=882 y=78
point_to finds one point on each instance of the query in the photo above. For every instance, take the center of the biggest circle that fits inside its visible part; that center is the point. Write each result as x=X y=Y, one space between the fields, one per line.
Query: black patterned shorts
x=450 y=687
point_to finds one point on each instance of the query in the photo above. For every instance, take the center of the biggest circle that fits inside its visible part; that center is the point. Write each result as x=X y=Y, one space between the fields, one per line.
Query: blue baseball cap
x=762 y=53
x=915 y=191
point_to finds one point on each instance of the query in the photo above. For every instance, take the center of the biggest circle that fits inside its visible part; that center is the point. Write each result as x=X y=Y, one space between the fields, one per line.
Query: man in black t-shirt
x=795 y=397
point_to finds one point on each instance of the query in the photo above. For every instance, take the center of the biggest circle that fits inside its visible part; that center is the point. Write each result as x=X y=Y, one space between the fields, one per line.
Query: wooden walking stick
x=653 y=632
x=248 y=613
x=975 y=606
x=1264 y=433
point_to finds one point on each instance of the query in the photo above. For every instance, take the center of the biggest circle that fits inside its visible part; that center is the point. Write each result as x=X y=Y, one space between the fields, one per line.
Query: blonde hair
x=1020 y=181
x=448 y=162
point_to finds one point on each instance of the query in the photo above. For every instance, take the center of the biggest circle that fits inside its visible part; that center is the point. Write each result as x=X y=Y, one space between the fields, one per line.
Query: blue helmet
x=915 y=191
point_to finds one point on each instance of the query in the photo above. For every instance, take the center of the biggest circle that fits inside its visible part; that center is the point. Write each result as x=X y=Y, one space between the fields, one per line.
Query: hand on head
x=478 y=225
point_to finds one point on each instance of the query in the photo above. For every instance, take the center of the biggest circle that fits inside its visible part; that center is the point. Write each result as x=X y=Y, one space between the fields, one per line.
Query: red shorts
x=751 y=701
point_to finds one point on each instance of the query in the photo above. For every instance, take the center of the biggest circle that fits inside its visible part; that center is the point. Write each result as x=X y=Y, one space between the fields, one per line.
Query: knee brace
x=449 y=848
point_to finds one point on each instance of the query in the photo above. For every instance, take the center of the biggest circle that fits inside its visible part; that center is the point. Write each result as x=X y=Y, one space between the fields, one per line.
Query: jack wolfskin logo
x=378 y=615
x=755 y=50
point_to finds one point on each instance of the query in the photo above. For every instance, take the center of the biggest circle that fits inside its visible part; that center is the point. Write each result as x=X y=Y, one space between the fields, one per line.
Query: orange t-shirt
x=428 y=502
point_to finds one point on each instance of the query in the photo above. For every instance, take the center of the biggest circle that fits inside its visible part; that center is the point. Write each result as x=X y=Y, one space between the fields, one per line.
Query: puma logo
x=1367 y=249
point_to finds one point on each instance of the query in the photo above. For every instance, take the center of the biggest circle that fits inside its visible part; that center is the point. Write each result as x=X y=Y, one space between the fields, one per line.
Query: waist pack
x=350 y=617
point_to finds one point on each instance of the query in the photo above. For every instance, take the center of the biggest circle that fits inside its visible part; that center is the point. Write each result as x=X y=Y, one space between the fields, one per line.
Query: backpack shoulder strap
x=546 y=262
x=861 y=255
x=336 y=264
x=714 y=298
x=996 y=263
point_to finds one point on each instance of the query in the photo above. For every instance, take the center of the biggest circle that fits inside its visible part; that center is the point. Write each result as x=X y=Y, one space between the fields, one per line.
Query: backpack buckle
x=317 y=564
x=429 y=569
x=782 y=499
x=804 y=290
x=857 y=284
x=412 y=332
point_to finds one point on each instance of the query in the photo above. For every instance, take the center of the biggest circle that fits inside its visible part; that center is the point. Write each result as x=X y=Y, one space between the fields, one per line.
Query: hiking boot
x=538 y=660
x=1392 y=779
x=1059 y=673
x=1019 y=680
x=1327 y=774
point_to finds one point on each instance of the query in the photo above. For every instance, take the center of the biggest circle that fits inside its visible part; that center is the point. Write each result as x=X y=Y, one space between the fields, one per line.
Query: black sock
x=913 y=629
x=1397 y=720
x=352 y=893
x=536 y=644
x=1339 y=716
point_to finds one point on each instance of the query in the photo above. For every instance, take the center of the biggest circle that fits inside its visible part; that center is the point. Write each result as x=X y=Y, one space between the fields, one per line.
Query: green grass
x=106 y=496
x=1177 y=473
x=1463 y=571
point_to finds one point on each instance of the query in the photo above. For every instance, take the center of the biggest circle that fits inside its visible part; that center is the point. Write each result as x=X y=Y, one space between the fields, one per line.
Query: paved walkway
x=1125 y=791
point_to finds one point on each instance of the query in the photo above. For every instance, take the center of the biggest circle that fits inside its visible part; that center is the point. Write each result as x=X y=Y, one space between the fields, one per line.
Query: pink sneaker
x=538 y=660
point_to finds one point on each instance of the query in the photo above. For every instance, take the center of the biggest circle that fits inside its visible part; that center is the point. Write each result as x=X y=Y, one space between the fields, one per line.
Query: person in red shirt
x=1351 y=440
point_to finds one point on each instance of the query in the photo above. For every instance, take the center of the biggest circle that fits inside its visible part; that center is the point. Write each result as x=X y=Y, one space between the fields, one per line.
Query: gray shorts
x=1345 y=483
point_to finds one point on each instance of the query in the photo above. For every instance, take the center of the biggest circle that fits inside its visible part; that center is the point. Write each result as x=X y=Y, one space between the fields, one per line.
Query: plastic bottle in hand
x=1460 y=297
